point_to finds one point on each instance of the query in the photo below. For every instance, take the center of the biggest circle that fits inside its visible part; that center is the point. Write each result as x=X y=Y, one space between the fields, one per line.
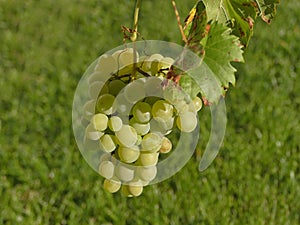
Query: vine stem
x=134 y=37
x=179 y=22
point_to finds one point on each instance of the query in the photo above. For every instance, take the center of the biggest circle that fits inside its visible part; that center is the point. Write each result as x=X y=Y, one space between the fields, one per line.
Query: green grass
x=45 y=47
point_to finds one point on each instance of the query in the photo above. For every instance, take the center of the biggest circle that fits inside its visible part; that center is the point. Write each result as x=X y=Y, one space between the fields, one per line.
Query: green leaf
x=240 y=14
x=267 y=9
x=195 y=27
x=221 y=48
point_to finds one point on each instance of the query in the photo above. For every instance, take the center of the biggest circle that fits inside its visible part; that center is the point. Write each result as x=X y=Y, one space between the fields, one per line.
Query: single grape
x=158 y=125
x=125 y=191
x=135 y=188
x=115 y=123
x=122 y=105
x=106 y=104
x=134 y=92
x=146 y=173
x=111 y=186
x=106 y=64
x=148 y=158
x=124 y=173
x=166 y=145
x=156 y=56
x=127 y=136
x=106 y=169
x=107 y=143
x=151 y=142
x=197 y=102
x=166 y=62
x=141 y=128
x=153 y=86
x=139 y=140
x=187 y=121
x=98 y=76
x=162 y=109
x=92 y=134
x=96 y=88
x=142 y=112
x=154 y=67
x=89 y=109
x=115 y=86
x=99 y=121
x=129 y=155
x=126 y=57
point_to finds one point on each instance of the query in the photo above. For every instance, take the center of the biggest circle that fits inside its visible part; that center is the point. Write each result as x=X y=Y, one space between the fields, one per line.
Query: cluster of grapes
x=130 y=119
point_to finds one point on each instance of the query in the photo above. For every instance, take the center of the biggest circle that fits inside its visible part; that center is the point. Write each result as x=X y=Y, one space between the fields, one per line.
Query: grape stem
x=179 y=22
x=134 y=37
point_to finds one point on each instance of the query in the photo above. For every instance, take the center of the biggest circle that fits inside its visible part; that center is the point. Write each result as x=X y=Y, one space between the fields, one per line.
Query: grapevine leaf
x=267 y=9
x=239 y=13
x=195 y=27
x=221 y=47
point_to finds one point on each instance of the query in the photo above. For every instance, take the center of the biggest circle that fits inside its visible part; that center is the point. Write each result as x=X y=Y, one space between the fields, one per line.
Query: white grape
x=92 y=134
x=115 y=123
x=146 y=173
x=166 y=145
x=99 y=121
x=162 y=109
x=124 y=173
x=135 y=188
x=134 y=92
x=122 y=105
x=106 y=169
x=151 y=142
x=197 y=102
x=96 y=88
x=106 y=64
x=187 y=121
x=111 y=186
x=148 y=158
x=127 y=136
x=98 y=76
x=141 y=128
x=166 y=62
x=142 y=112
x=129 y=155
x=153 y=86
x=106 y=104
x=115 y=86
x=126 y=57
x=89 y=109
x=107 y=143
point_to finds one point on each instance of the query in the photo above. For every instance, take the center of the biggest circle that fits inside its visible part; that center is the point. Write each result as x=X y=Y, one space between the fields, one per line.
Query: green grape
x=98 y=76
x=156 y=56
x=115 y=123
x=111 y=186
x=115 y=86
x=134 y=92
x=142 y=112
x=187 y=121
x=123 y=106
x=166 y=62
x=126 y=57
x=106 y=169
x=96 y=88
x=135 y=188
x=106 y=64
x=92 y=134
x=125 y=191
x=107 y=143
x=151 y=142
x=162 y=109
x=141 y=128
x=89 y=109
x=154 y=67
x=139 y=140
x=157 y=125
x=197 y=102
x=166 y=145
x=151 y=100
x=153 y=86
x=148 y=158
x=127 y=136
x=173 y=94
x=129 y=155
x=124 y=173
x=146 y=173
x=106 y=104
x=99 y=121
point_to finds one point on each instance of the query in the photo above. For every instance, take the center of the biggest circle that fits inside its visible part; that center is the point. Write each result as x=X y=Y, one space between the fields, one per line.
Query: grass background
x=45 y=46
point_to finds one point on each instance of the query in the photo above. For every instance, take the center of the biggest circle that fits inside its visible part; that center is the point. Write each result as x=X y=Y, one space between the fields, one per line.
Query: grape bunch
x=133 y=107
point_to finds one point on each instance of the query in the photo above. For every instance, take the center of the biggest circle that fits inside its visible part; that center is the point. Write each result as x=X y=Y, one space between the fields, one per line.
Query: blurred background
x=45 y=47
